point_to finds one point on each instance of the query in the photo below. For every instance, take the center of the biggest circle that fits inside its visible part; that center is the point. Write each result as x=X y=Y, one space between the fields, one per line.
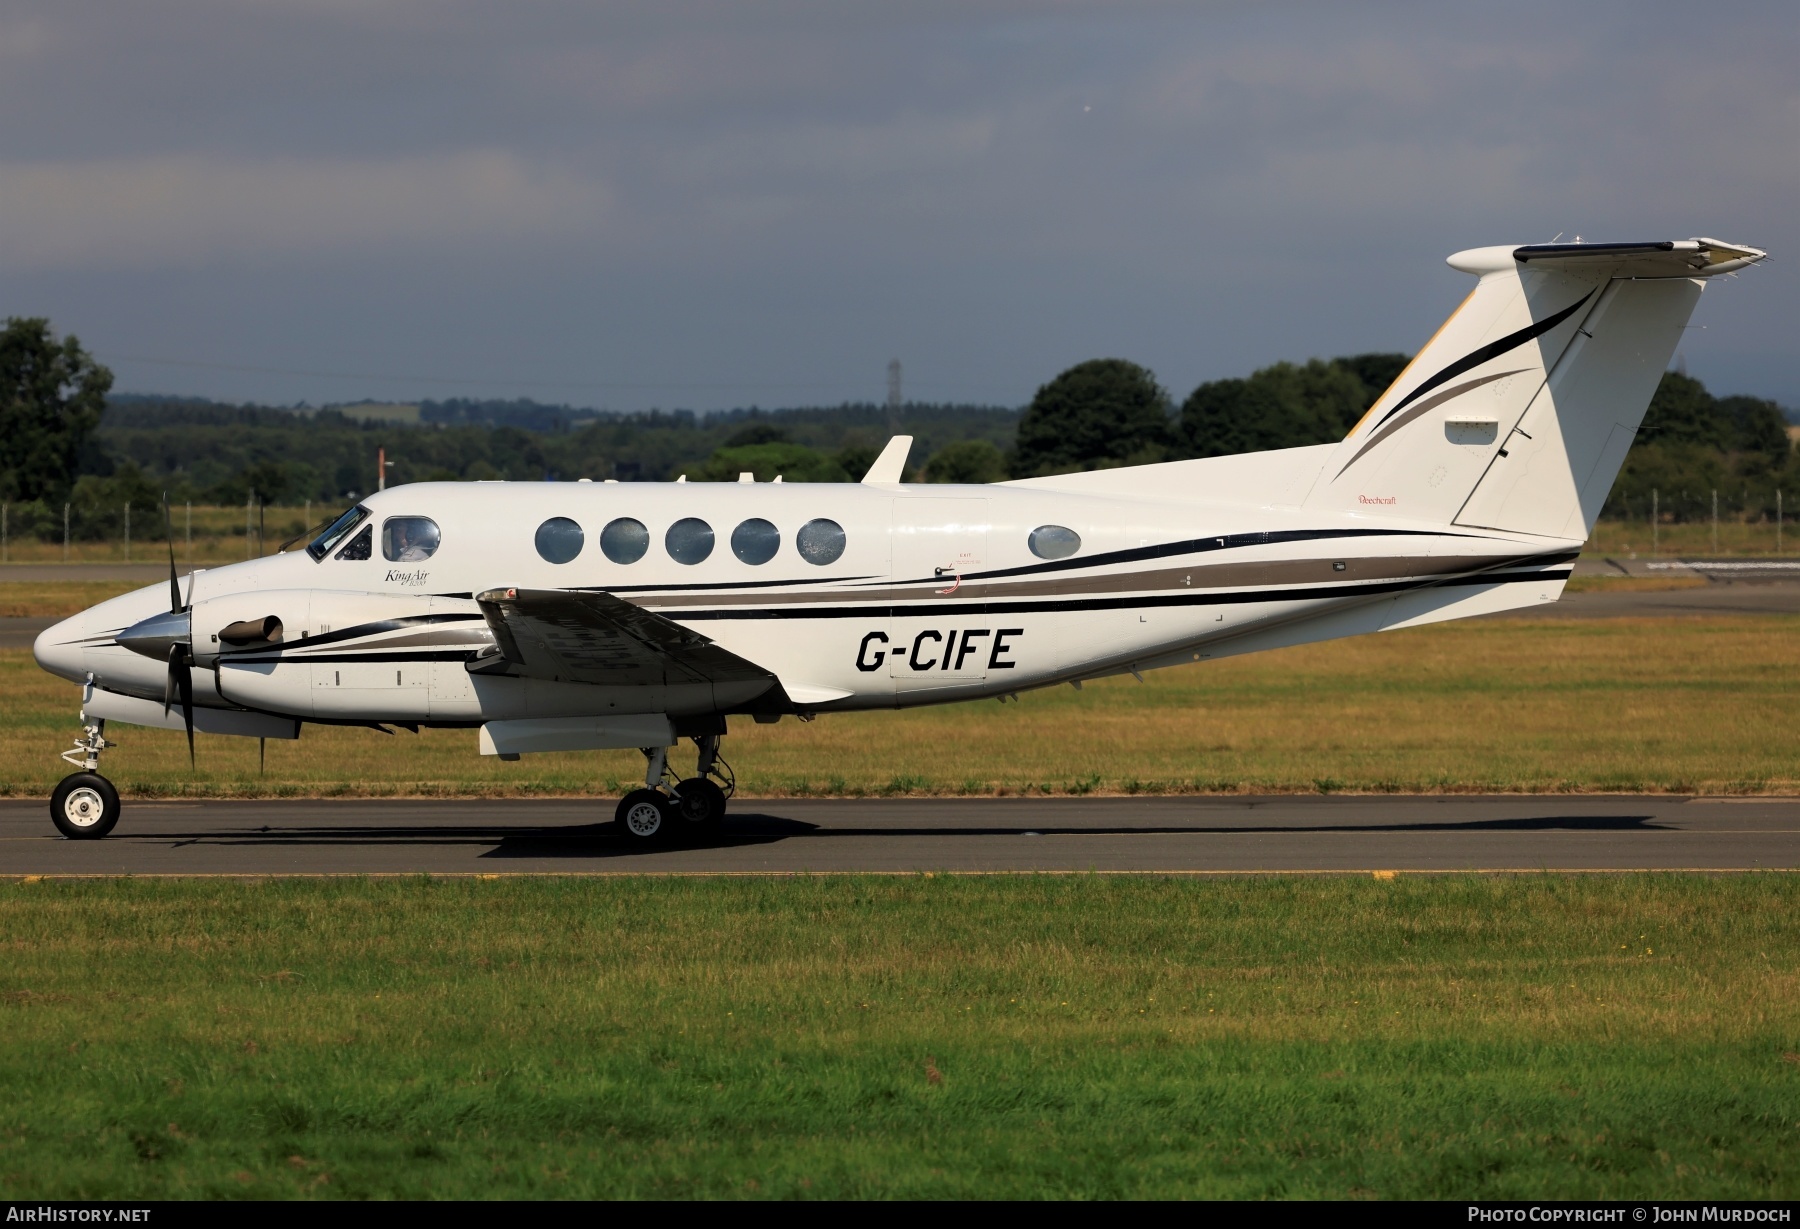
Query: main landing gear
x=667 y=809
x=85 y=806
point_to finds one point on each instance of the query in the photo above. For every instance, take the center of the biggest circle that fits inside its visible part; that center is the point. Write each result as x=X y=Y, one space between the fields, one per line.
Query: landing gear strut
x=85 y=806
x=665 y=807
x=701 y=798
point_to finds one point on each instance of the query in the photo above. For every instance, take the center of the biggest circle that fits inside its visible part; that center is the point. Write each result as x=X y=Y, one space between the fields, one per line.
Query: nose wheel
x=85 y=806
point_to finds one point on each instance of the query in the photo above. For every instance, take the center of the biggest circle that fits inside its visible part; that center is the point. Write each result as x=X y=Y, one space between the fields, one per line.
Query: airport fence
x=134 y=533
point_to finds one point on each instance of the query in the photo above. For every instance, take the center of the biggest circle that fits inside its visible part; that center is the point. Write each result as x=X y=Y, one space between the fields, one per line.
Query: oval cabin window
x=820 y=542
x=624 y=540
x=408 y=539
x=755 y=541
x=689 y=540
x=1054 y=542
x=559 y=539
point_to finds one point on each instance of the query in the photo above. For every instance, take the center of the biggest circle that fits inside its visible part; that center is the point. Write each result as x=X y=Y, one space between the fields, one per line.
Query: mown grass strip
x=1678 y=705
x=1450 y=1037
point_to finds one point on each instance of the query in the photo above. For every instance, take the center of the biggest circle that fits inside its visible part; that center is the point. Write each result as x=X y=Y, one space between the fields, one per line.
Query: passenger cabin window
x=361 y=546
x=1053 y=542
x=820 y=542
x=335 y=533
x=689 y=540
x=408 y=539
x=755 y=541
x=559 y=539
x=624 y=540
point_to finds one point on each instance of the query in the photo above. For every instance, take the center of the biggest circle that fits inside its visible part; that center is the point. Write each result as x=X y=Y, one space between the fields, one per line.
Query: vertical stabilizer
x=1558 y=465
x=1518 y=413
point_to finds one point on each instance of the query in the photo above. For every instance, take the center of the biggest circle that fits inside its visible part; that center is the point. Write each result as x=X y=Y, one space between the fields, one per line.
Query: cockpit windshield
x=334 y=533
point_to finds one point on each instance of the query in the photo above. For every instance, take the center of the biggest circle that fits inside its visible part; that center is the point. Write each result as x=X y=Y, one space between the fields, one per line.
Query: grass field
x=203 y=534
x=57 y=599
x=1704 y=704
x=1458 y=1037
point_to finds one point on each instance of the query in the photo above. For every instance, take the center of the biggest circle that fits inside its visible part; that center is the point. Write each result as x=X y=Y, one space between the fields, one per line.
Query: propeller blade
x=174 y=585
x=184 y=682
x=175 y=656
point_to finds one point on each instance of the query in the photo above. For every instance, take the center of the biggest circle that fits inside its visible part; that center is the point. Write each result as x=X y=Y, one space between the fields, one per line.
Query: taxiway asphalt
x=1227 y=835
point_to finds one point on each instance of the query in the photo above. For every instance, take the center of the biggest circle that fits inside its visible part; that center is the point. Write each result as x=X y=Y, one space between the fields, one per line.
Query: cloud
x=165 y=210
x=992 y=188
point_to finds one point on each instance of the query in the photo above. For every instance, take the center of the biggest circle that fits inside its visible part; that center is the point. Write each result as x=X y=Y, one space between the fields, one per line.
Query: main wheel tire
x=85 y=806
x=646 y=816
x=699 y=801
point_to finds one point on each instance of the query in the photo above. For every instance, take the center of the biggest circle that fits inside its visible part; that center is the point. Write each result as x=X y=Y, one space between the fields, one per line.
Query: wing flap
x=567 y=635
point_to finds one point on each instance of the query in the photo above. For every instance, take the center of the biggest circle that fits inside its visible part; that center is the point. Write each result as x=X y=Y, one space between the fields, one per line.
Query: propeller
x=181 y=672
x=181 y=682
x=169 y=638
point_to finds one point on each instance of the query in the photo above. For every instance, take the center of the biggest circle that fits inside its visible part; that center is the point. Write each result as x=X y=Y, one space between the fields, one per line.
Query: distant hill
x=216 y=452
x=1691 y=444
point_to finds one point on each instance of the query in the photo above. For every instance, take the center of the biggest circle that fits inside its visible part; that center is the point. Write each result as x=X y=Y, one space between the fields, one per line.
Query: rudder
x=1557 y=466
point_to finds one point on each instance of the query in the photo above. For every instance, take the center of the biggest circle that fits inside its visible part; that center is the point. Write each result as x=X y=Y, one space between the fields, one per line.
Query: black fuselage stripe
x=378 y=626
x=1197 y=546
x=298 y=651
x=367 y=659
x=954 y=609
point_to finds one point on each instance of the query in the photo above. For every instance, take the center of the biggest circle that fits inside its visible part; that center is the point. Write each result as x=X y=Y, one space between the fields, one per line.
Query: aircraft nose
x=59 y=647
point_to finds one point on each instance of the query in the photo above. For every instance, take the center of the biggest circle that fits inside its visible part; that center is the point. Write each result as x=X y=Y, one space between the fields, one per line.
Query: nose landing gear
x=85 y=806
x=666 y=808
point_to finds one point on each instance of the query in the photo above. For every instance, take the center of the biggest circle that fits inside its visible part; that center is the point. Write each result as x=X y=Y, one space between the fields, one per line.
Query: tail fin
x=1518 y=413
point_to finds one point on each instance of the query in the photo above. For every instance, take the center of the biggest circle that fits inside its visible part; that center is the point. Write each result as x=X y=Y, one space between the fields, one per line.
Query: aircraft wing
x=576 y=636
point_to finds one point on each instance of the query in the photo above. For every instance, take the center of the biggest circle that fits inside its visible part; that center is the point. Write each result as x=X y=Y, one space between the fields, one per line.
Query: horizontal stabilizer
x=1667 y=258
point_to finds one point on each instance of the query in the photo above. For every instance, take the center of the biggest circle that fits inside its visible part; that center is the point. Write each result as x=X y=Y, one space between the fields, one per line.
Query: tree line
x=65 y=440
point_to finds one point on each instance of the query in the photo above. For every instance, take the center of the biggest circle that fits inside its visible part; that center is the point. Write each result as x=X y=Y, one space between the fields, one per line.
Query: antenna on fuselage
x=891 y=464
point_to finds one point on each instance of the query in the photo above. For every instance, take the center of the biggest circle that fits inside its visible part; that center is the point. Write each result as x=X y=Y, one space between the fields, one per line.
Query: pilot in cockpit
x=410 y=551
x=411 y=539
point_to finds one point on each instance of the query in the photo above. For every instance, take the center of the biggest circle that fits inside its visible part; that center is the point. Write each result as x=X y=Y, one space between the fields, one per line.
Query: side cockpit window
x=336 y=532
x=409 y=539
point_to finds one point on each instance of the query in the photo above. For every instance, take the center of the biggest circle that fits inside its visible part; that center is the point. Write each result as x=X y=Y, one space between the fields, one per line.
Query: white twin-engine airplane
x=575 y=616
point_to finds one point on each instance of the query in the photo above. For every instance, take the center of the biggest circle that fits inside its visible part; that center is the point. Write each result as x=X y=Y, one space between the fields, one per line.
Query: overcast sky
x=710 y=205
